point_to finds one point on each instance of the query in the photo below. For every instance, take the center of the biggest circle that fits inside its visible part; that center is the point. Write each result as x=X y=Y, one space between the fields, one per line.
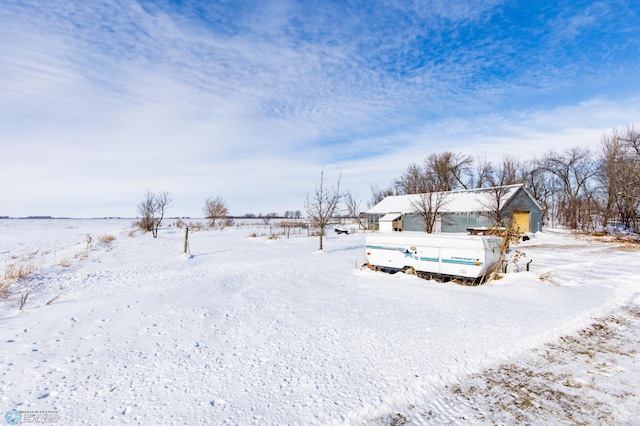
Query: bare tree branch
x=429 y=206
x=215 y=208
x=321 y=207
x=152 y=210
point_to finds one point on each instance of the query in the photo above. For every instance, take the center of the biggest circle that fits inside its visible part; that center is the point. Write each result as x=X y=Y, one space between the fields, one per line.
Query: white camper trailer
x=448 y=255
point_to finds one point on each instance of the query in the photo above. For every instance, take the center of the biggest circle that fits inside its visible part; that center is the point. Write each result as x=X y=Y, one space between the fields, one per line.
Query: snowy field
x=252 y=330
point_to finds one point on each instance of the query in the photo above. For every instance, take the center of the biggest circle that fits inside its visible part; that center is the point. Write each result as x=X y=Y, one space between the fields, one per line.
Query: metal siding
x=413 y=222
x=461 y=221
x=522 y=202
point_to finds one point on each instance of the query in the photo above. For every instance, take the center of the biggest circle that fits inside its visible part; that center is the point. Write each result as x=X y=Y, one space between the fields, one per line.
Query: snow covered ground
x=251 y=330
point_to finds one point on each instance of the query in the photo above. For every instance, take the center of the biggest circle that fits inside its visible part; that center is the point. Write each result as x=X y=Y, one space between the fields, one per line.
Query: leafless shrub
x=509 y=235
x=152 y=209
x=352 y=204
x=89 y=242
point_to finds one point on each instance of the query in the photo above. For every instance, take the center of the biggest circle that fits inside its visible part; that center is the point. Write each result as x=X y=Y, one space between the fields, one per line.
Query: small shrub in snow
x=509 y=235
x=106 y=238
x=89 y=242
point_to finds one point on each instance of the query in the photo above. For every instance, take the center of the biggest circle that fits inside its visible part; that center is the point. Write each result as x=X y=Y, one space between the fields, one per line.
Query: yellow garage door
x=521 y=221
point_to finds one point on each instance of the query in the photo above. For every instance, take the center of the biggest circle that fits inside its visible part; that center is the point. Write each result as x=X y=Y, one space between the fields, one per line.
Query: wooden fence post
x=186 y=239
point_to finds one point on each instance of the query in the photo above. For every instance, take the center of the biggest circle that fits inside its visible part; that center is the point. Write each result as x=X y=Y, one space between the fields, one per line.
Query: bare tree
x=413 y=181
x=352 y=204
x=574 y=170
x=321 y=207
x=494 y=202
x=146 y=210
x=429 y=206
x=215 y=208
x=152 y=210
x=484 y=173
x=631 y=138
x=500 y=179
x=445 y=171
x=378 y=195
x=540 y=183
x=448 y=171
x=508 y=173
x=619 y=176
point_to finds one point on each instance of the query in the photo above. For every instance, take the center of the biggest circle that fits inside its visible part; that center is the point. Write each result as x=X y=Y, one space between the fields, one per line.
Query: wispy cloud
x=249 y=100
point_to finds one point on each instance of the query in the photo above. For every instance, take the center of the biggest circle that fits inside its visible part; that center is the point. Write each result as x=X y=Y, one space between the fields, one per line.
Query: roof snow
x=467 y=200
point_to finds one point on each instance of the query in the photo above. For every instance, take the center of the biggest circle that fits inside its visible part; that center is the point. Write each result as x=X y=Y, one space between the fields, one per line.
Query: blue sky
x=249 y=100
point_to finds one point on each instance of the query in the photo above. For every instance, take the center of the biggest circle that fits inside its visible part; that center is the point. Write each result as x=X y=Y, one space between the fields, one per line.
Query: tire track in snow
x=589 y=377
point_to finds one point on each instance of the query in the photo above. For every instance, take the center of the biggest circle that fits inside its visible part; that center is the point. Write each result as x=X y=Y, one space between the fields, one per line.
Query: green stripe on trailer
x=462 y=262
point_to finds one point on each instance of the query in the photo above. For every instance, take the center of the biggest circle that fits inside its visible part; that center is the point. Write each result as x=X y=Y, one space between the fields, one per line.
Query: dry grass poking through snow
x=4 y=288
x=13 y=272
x=106 y=238
x=23 y=266
x=622 y=241
x=591 y=377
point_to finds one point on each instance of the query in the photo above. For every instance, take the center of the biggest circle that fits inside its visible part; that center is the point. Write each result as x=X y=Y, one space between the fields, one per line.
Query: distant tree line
x=289 y=214
x=579 y=188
